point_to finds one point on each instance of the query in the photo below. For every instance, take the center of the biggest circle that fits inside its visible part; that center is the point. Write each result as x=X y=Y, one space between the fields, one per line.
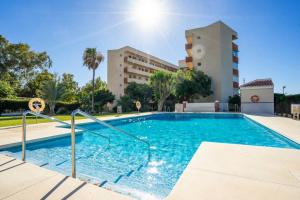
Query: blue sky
x=269 y=33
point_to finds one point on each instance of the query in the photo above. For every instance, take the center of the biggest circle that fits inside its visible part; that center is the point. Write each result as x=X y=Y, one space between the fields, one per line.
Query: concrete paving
x=285 y=126
x=20 y=180
x=228 y=171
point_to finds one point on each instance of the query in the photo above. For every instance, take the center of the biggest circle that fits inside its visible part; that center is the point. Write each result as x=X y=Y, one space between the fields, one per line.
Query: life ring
x=36 y=105
x=254 y=99
x=138 y=105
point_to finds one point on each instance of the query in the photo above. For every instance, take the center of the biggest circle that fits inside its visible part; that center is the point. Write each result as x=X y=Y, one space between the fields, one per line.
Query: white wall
x=200 y=107
x=265 y=105
x=258 y=108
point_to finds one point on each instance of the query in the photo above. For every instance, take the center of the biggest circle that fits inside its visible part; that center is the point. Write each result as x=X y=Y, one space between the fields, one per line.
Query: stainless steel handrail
x=75 y=112
x=24 y=125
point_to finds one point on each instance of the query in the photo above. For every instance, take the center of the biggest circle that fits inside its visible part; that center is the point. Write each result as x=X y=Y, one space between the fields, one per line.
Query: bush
x=21 y=104
x=282 y=103
x=13 y=105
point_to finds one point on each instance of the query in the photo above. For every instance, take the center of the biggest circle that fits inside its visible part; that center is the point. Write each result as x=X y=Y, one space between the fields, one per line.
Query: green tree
x=85 y=93
x=141 y=92
x=191 y=84
x=52 y=91
x=70 y=86
x=6 y=91
x=162 y=84
x=34 y=86
x=102 y=97
x=126 y=102
x=92 y=59
x=20 y=59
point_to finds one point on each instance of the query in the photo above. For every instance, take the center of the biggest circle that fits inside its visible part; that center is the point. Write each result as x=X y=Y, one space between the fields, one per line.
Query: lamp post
x=283 y=88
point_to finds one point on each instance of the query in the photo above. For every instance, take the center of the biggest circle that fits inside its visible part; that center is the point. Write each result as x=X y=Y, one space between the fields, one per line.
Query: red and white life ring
x=254 y=99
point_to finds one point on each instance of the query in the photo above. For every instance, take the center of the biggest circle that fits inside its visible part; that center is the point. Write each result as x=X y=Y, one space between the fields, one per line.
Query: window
x=120 y=85
x=120 y=65
x=199 y=64
x=129 y=75
x=198 y=37
x=198 y=50
x=120 y=74
x=120 y=55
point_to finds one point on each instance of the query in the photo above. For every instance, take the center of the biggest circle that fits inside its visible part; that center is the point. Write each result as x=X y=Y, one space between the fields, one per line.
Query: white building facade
x=211 y=49
x=257 y=97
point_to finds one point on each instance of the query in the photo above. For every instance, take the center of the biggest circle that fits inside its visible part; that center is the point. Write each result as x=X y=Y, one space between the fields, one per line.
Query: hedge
x=17 y=105
x=283 y=102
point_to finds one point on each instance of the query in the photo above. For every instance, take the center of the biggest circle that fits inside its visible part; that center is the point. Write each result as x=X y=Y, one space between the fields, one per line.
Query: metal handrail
x=24 y=125
x=75 y=112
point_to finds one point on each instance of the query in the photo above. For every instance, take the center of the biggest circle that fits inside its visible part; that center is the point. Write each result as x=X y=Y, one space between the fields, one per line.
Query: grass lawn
x=17 y=120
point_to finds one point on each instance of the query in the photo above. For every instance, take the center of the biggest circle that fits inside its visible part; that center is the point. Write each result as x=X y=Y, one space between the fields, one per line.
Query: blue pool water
x=174 y=138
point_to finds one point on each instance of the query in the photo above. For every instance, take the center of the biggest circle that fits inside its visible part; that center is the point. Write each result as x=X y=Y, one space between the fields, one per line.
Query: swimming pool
x=174 y=139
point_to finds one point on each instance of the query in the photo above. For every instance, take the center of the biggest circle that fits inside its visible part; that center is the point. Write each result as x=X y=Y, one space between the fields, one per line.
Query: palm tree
x=52 y=91
x=92 y=59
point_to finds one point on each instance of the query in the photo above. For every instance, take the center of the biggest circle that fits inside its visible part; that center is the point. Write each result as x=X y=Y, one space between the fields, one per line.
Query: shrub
x=21 y=104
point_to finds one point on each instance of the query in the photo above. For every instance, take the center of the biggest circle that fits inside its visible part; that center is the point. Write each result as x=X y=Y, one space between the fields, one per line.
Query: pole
x=23 y=137
x=73 y=146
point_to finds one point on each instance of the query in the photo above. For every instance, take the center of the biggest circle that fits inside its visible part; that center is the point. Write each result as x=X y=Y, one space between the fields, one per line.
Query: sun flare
x=148 y=14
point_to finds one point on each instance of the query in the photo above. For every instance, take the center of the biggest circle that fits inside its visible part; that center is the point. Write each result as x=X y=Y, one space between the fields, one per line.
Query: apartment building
x=127 y=65
x=212 y=50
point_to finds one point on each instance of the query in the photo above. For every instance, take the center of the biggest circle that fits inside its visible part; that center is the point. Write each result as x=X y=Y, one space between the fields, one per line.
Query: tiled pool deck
x=217 y=171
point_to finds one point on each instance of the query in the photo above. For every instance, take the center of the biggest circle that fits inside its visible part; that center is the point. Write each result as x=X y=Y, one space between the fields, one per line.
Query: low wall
x=258 y=108
x=200 y=107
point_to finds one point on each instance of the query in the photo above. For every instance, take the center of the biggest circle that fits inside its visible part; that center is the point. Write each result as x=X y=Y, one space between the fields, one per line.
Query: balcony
x=235 y=59
x=235 y=85
x=188 y=59
x=235 y=47
x=234 y=37
x=139 y=72
x=235 y=72
x=143 y=64
x=188 y=46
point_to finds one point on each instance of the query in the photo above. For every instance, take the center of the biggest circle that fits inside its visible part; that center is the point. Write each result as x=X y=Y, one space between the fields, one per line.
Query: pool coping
x=255 y=119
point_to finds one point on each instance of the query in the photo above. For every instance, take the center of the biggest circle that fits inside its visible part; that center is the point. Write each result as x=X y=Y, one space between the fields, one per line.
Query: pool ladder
x=73 y=127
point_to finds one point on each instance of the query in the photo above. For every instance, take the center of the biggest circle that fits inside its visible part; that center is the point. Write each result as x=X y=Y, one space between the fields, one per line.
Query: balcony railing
x=235 y=85
x=235 y=59
x=235 y=72
x=234 y=37
x=235 y=47
x=188 y=46
x=188 y=59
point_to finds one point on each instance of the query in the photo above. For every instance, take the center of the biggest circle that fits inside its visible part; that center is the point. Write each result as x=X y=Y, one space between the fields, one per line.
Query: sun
x=148 y=14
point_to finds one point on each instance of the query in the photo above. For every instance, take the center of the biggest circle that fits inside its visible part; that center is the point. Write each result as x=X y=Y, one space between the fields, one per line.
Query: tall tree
x=18 y=63
x=20 y=59
x=141 y=92
x=163 y=84
x=52 y=92
x=85 y=93
x=102 y=97
x=191 y=84
x=92 y=59
x=34 y=86
x=70 y=86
